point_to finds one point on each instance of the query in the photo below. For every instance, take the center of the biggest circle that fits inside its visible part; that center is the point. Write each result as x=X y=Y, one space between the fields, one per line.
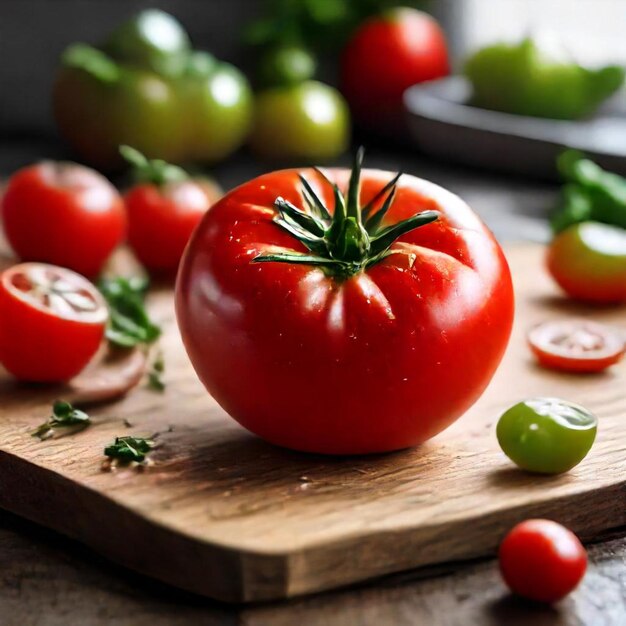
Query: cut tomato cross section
x=52 y=321
x=576 y=345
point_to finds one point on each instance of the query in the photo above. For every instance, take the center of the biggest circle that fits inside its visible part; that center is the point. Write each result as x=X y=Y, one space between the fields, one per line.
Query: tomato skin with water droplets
x=379 y=361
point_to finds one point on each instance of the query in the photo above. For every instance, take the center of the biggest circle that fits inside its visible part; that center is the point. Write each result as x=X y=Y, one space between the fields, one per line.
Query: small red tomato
x=576 y=345
x=588 y=261
x=542 y=560
x=52 y=322
x=163 y=210
x=65 y=214
x=387 y=55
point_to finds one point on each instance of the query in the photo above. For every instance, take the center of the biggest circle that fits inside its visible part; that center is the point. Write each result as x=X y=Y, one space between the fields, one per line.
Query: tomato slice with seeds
x=52 y=321
x=576 y=345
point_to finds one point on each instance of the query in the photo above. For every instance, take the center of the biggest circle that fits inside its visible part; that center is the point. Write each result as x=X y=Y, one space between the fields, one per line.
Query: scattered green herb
x=129 y=322
x=590 y=193
x=129 y=449
x=64 y=415
x=155 y=374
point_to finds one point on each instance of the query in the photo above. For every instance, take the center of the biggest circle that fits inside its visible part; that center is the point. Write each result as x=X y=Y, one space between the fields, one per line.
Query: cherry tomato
x=542 y=560
x=163 y=210
x=387 y=55
x=52 y=322
x=546 y=435
x=576 y=345
x=588 y=261
x=65 y=214
x=309 y=120
x=352 y=342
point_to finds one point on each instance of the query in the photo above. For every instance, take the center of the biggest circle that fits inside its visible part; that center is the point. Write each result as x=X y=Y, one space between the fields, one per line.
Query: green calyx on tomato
x=350 y=239
x=546 y=435
x=155 y=171
x=92 y=61
x=528 y=78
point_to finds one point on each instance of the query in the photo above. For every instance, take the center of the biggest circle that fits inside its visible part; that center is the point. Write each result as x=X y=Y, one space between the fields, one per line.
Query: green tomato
x=546 y=435
x=308 y=121
x=152 y=40
x=529 y=78
x=217 y=109
x=99 y=105
x=287 y=65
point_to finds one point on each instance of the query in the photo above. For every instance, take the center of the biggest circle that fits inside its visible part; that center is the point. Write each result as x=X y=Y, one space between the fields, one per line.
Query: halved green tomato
x=546 y=435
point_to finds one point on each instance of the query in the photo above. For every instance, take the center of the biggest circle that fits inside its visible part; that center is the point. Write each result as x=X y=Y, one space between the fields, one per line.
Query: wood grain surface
x=223 y=514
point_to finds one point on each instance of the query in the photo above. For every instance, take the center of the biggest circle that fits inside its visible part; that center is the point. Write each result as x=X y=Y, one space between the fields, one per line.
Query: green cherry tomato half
x=546 y=435
x=152 y=40
x=286 y=65
x=588 y=261
x=305 y=121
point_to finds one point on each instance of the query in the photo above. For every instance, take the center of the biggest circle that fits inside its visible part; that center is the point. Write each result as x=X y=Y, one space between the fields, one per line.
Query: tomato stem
x=155 y=171
x=350 y=239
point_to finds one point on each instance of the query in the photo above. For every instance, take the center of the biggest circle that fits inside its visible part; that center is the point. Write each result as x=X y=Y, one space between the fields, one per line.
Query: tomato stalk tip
x=350 y=239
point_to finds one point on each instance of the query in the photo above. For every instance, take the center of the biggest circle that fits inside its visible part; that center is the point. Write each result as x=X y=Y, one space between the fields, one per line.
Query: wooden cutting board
x=223 y=514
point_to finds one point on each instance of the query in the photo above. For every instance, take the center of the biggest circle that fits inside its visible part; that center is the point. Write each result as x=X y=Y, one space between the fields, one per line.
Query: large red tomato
x=387 y=55
x=352 y=334
x=65 y=214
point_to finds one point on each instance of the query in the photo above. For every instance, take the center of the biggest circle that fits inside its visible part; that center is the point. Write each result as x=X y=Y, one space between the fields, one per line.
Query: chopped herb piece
x=128 y=449
x=155 y=375
x=129 y=322
x=64 y=415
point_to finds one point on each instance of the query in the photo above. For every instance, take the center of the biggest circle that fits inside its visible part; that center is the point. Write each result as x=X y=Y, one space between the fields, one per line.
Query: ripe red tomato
x=387 y=55
x=334 y=346
x=161 y=220
x=542 y=560
x=63 y=213
x=52 y=322
x=576 y=345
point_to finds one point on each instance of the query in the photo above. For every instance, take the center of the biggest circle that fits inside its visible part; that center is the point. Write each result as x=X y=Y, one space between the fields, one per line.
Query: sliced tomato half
x=576 y=345
x=52 y=321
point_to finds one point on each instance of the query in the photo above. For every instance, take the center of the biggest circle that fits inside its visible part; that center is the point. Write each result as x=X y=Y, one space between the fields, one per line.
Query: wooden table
x=48 y=580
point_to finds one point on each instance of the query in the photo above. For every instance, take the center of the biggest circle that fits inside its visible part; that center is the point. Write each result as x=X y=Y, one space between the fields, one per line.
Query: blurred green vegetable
x=528 y=78
x=590 y=193
x=308 y=121
x=148 y=89
x=153 y=40
x=315 y=24
x=286 y=65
